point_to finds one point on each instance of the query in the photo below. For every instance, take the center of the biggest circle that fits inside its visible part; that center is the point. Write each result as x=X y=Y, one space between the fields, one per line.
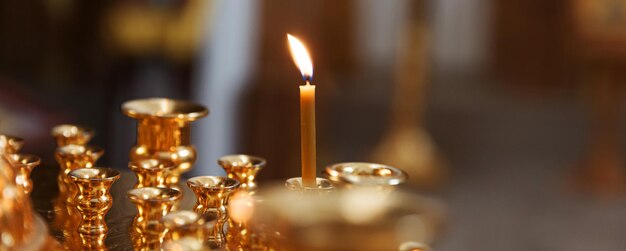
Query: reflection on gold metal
x=364 y=174
x=240 y=209
x=152 y=204
x=212 y=194
x=23 y=164
x=67 y=134
x=13 y=144
x=93 y=200
x=323 y=186
x=243 y=168
x=163 y=132
x=93 y=242
x=71 y=157
x=184 y=224
x=152 y=172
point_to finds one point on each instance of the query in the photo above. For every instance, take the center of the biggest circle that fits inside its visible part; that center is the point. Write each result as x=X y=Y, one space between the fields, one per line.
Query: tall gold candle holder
x=71 y=157
x=94 y=199
x=23 y=165
x=67 y=134
x=163 y=131
x=212 y=194
x=152 y=204
x=152 y=172
x=348 y=174
x=92 y=242
x=243 y=168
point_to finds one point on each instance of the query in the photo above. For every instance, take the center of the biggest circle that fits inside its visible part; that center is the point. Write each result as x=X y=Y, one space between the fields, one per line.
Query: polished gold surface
x=93 y=200
x=243 y=168
x=364 y=174
x=23 y=165
x=323 y=186
x=163 y=132
x=68 y=134
x=185 y=224
x=71 y=157
x=152 y=172
x=152 y=204
x=212 y=194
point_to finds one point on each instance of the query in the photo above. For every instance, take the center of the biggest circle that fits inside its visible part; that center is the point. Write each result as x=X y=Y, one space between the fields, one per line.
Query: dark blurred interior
x=509 y=112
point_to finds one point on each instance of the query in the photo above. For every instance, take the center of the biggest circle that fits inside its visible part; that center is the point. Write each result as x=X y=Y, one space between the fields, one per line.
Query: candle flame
x=301 y=57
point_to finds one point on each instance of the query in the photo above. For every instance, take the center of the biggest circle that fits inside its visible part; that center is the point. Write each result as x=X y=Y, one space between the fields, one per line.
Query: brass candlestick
x=12 y=144
x=152 y=204
x=322 y=186
x=23 y=165
x=152 y=172
x=93 y=242
x=240 y=209
x=243 y=168
x=71 y=157
x=163 y=131
x=93 y=200
x=212 y=194
x=185 y=224
x=346 y=175
x=67 y=134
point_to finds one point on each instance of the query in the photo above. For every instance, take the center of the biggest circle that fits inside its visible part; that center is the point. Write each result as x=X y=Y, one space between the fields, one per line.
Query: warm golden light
x=301 y=57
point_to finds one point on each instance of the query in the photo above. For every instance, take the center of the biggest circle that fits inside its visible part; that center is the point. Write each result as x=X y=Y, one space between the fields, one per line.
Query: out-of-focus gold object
x=212 y=194
x=243 y=168
x=93 y=200
x=67 y=134
x=151 y=172
x=13 y=144
x=350 y=174
x=20 y=228
x=152 y=203
x=323 y=186
x=23 y=165
x=164 y=132
x=71 y=157
x=187 y=230
x=240 y=209
x=347 y=219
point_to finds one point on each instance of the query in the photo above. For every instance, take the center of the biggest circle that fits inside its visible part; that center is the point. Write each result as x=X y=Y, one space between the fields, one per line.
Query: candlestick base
x=322 y=185
x=346 y=175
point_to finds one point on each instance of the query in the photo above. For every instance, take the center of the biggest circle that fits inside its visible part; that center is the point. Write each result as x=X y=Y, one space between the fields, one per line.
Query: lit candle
x=307 y=111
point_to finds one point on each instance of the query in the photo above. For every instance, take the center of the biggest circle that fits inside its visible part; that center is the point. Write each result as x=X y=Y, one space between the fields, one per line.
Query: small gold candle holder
x=240 y=210
x=185 y=224
x=94 y=199
x=243 y=168
x=152 y=172
x=13 y=144
x=212 y=194
x=349 y=174
x=71 y=157
x=152 y=204
x=93 y=242
x=163 y=131
x=67 y=134
x=23 y=165
x=323 y=186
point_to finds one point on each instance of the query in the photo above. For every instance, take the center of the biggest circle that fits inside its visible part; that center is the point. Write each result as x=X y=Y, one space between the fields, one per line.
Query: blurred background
x=509 y=112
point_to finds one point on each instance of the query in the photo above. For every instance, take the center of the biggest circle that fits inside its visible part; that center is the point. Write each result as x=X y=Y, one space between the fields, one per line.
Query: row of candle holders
x=162 y=154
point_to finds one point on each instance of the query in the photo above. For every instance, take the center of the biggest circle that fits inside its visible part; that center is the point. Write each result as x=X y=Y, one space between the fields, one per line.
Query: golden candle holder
x=212 y=194
x=186 y=225
x=321 y=187
x=71 y=157
x=67 y=134
x=243 y=168
x=152 y=172
x=94 y=199
x=152 y=204
x=93 y=242
x=240 y=210
x=346 y=175
x=163 y=131
x=23 y=165
x=12 y=144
